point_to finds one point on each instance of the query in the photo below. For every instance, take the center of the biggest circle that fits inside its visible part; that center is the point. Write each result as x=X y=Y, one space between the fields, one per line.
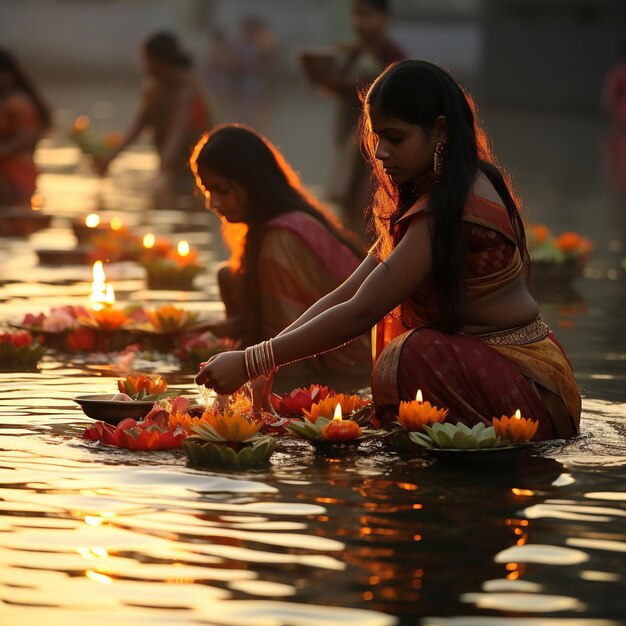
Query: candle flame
x=183 y=248
x=116 y=223
x=101 y=294
x=36 y=202
x=518 y=414
x=149 y=240
x=92 y=220
x=338 y=413
x=418 y=396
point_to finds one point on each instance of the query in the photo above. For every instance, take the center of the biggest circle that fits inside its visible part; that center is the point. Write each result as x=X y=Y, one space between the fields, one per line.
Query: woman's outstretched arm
x=383 y=289
x=344 y=292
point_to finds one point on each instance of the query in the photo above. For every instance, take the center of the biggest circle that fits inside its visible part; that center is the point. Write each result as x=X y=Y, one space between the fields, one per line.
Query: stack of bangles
x=260 y=360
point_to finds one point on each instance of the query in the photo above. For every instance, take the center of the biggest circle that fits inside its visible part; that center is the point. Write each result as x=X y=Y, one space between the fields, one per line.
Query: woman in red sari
x=287 y=250
x=24 y=117
x=444 y=285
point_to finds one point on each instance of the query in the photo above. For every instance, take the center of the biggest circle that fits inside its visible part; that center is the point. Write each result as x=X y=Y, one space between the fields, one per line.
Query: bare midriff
x=508 y=307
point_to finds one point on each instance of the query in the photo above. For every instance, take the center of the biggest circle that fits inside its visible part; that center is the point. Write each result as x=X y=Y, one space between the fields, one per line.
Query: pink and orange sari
x=477 y=377
x=300 y=261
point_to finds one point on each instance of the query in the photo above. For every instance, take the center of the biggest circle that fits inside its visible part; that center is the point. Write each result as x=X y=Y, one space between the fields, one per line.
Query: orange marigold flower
x=169 y=318
x=232 y=427
x=107 y=319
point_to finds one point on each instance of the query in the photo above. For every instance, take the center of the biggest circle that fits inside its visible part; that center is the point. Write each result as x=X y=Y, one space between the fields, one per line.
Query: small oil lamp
x=92 y=220
x=515 y=428
x=116 y=223
x=183 y=248
x=339 y=430
x=415 y=414
x=149 y=240
x=102 y=294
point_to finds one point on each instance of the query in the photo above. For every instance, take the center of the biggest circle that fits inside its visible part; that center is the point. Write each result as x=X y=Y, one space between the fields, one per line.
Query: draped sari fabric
x=300 y=261
x=477 y=377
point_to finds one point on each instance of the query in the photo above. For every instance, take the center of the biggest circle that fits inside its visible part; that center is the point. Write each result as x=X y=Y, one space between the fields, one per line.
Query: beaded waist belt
x=518 y=336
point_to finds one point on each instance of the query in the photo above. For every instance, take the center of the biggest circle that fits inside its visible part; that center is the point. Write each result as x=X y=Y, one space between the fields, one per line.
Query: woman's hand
x=225 y=372
x=261 y=391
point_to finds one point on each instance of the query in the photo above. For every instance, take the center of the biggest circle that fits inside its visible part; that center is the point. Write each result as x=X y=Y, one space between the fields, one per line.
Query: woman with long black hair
x=287 y=249
x=24 y=118
x=444 y=286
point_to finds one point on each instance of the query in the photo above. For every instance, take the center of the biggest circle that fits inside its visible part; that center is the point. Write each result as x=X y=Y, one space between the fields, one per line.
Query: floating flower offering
x=171 y=267
x=458 y=437
x=416 y=414
x=146 y=435
x=333 y=430
x=198 y=348
x=90 y=142
x=18 y=350
x=106 y=320
x=228 y=439
x=171 y=319
x=515 y=428
x=142 y=387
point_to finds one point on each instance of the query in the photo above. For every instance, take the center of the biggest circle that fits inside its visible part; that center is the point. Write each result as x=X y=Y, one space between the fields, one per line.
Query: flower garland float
x=169 y=267
x=19 y=351
x=557 y=258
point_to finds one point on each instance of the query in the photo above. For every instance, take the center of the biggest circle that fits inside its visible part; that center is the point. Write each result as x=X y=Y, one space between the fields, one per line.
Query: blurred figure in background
x=353 y=68
x=172 y=106
x=287 y=250
x=24 y=118
x=256 y=53
x=614 y=106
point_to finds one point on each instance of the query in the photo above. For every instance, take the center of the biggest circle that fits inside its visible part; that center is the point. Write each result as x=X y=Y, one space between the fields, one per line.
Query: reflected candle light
x=116 y=223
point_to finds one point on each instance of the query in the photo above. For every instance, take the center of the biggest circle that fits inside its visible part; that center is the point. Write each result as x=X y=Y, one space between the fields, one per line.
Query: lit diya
x=515 y=428
x=335 y=430
x=416 y=414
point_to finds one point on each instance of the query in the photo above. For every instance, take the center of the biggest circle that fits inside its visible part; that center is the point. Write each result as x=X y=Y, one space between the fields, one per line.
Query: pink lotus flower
x=300 y=399
x=58 y=321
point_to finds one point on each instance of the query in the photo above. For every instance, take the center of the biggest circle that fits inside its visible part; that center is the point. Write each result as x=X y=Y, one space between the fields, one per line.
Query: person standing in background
x=24 y=118
x=355 y=66
x=173 y=107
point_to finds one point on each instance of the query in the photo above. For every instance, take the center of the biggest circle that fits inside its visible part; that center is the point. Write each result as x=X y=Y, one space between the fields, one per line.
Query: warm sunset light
x=338 y=414
x=183 y=248
x=116 y=223
x=92 y=220
x=149 y=240
x=418 y=396
x=101 y=294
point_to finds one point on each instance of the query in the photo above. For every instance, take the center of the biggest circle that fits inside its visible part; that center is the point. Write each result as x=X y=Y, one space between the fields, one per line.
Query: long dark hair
x=239 y=154
x=419 y=92
x=165 y=47
x=8 y=63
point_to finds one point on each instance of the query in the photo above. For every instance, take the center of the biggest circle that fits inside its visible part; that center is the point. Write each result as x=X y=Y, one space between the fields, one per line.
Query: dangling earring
x=440 y=150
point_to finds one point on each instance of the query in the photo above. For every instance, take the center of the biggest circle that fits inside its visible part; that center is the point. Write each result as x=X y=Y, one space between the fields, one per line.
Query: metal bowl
x=101 y=407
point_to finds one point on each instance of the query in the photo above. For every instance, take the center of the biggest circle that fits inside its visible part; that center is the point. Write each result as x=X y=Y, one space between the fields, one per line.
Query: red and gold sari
x=477 y=377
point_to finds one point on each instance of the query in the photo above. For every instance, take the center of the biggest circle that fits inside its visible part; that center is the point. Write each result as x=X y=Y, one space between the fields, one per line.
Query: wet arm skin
x=384 y=288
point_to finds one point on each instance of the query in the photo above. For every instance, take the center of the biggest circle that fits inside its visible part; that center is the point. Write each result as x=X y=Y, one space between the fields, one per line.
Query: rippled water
x=93 y=535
